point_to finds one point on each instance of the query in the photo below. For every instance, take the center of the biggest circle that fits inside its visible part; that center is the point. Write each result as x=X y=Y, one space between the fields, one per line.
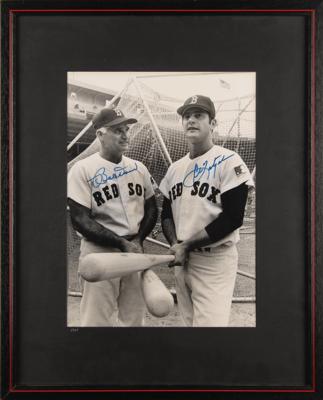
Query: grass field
x=242 y=313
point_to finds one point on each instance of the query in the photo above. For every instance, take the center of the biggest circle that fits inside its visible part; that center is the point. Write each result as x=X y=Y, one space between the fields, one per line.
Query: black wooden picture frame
x=40 y=355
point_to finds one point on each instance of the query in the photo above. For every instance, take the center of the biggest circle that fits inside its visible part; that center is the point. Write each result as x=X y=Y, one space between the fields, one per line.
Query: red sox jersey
x=194 y=186
x=115 y=193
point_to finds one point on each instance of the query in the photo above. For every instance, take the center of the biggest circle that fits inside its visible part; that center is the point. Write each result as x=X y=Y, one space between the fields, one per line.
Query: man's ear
x=213 y=124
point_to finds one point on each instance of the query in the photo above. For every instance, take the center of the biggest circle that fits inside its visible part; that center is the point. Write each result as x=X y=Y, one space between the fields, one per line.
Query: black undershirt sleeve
x=233 y=205
x=166 y=210
x=167 y=222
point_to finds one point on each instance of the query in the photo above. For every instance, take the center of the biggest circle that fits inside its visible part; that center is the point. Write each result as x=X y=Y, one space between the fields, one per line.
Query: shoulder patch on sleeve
x=240 y=169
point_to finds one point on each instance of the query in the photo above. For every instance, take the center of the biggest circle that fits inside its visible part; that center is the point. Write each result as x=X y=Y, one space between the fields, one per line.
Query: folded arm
x=148 y=222
x=83 y=222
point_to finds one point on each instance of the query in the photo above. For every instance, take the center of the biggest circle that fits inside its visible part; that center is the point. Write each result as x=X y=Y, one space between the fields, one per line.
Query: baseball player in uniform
x=205 y=194
x=113 y=207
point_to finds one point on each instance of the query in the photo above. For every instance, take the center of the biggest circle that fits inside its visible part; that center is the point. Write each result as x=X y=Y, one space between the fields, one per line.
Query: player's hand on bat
x=181 y=253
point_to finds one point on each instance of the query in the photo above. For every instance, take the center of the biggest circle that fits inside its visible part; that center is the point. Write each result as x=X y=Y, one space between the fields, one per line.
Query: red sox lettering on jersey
x=194 y=187
x=106 y=192
x=115 y=193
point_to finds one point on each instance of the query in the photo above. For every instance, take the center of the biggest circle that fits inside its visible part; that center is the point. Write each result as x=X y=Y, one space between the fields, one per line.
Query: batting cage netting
x=157 y=140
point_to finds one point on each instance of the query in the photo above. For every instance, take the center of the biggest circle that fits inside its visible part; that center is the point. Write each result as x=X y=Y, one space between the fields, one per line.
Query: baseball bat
x=158 y=298
x=95 y=267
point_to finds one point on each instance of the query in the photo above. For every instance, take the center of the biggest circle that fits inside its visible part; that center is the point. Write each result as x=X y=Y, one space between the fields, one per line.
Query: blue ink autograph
x=101 y=177
x=198 y=171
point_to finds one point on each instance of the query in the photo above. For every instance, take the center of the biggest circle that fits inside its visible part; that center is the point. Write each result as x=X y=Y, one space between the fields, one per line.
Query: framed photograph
x=157 y=140
x=142 y=253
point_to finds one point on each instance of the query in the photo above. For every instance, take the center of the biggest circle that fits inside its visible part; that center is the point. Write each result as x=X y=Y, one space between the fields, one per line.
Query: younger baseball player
x=205 y=195
x=113 y=207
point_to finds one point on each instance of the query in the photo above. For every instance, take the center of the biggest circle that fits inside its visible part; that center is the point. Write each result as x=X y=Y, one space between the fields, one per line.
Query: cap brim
x=122 y=120
x=182 y=109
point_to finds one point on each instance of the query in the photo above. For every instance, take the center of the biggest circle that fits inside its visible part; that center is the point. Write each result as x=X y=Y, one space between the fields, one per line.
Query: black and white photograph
x=161 y=199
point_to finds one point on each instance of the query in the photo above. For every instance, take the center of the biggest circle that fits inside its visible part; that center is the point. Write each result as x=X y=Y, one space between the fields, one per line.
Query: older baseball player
x=113 y=207
x=205 y=195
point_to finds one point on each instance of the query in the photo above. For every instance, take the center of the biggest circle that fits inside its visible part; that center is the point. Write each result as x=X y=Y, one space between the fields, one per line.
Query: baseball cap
x=198 y=101
x=111 y=117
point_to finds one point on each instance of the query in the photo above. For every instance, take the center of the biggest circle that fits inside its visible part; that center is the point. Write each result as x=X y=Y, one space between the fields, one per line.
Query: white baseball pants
x=114 y=302
x=205 y=287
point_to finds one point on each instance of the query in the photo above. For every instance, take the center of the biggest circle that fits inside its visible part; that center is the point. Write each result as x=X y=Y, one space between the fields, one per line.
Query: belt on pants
x=211 y=249
x=203 y=249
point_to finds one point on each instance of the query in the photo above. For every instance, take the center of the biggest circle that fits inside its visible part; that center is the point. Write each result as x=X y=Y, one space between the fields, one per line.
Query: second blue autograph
x=205 y=169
